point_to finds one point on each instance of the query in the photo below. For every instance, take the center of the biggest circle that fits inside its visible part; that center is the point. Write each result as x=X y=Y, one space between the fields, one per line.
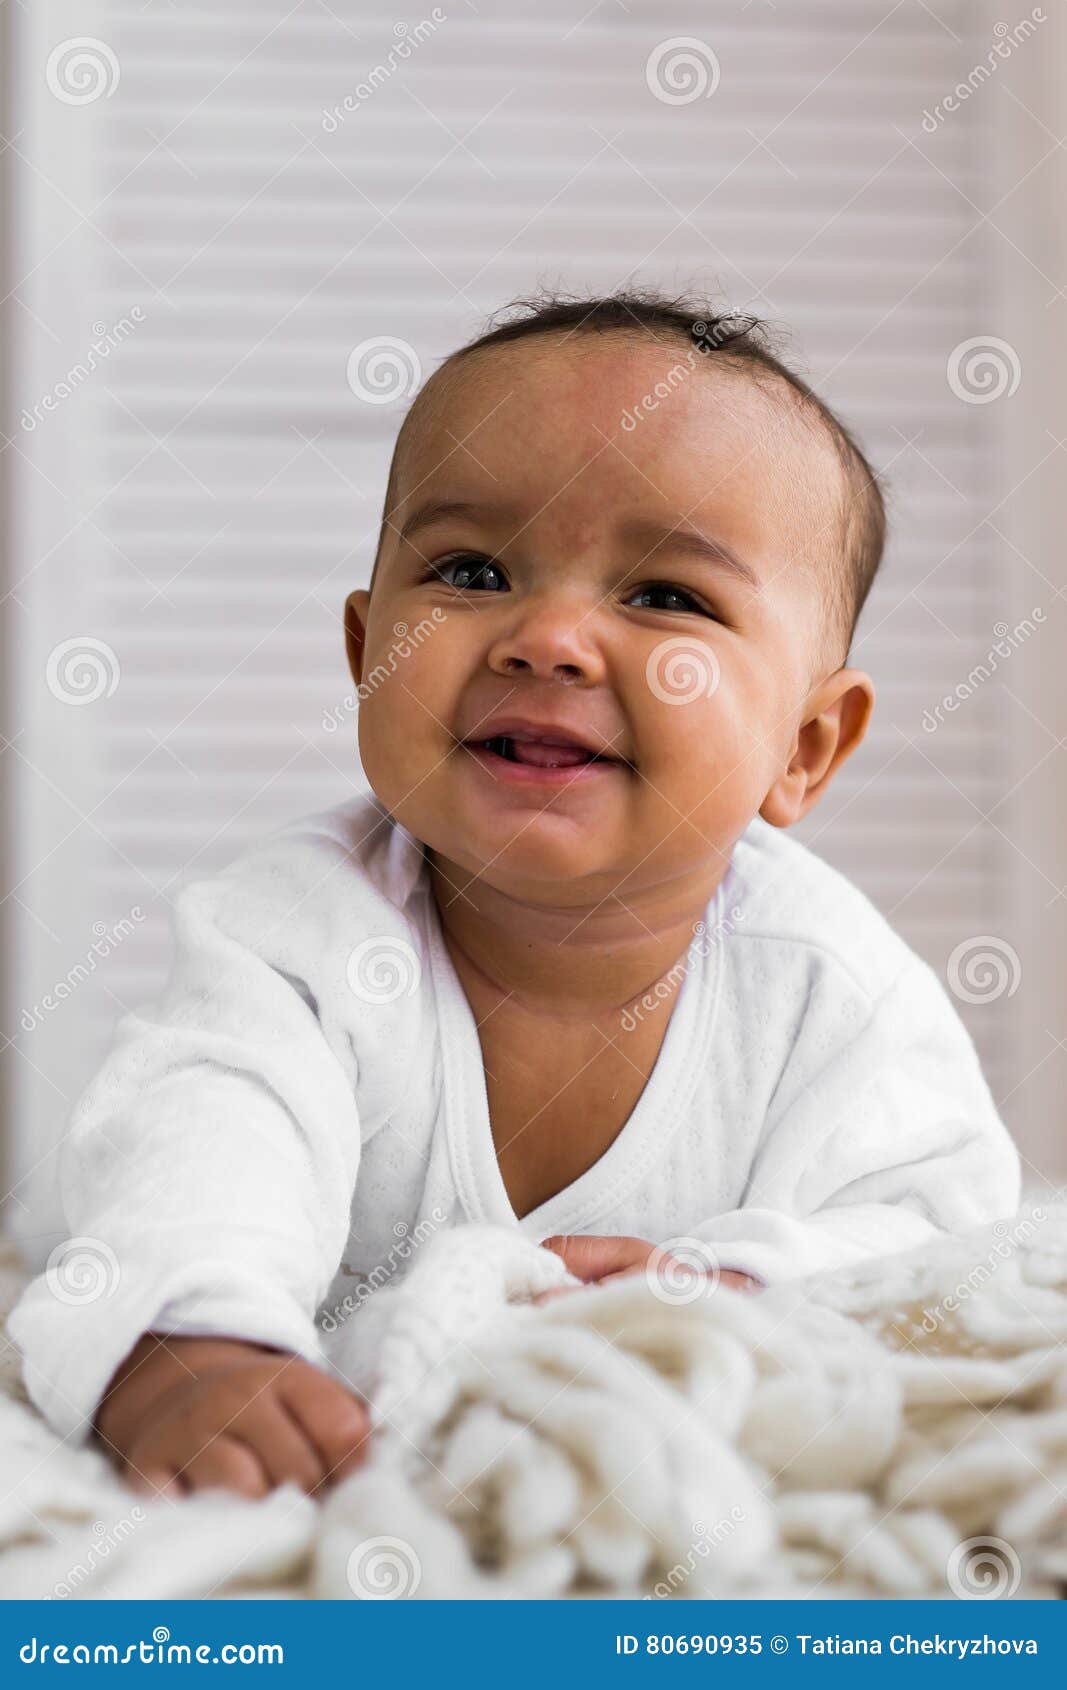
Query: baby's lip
x=547 y=732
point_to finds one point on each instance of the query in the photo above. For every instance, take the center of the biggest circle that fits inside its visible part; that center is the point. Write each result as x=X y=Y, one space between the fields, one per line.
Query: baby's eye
x=472 y=574
x=661 y=596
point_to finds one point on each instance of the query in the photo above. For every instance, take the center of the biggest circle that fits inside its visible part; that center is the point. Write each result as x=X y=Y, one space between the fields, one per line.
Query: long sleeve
x=208 y=1171
x=876 y=1141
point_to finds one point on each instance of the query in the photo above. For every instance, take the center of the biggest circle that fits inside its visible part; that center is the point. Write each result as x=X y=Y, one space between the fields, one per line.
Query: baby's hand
x=188 y=1414
x=597 y=1260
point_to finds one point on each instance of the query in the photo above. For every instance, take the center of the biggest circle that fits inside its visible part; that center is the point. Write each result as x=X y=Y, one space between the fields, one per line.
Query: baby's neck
x=578 y=960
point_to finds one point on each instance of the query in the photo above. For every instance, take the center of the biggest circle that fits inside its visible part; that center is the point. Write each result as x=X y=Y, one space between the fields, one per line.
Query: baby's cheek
x=701 y=740
x=716 y=768
x=390 y=741
x=401 y=699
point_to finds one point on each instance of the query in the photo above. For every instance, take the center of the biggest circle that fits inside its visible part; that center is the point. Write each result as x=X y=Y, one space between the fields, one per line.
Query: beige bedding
x=897 y=1429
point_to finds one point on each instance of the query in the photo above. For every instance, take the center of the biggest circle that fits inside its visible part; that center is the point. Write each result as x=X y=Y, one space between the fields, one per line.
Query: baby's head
x=622 y=558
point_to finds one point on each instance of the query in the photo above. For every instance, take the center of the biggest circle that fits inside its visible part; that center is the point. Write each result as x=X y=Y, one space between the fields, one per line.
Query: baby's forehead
x=605 y=417
x=609 y=382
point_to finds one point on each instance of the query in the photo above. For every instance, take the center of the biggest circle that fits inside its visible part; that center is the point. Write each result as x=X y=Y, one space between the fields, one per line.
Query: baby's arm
x=877 y=1140
x=208 y=1175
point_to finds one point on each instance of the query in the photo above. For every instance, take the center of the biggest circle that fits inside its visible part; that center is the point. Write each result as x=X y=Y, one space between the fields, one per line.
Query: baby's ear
x=356 y=631
x=837 y=717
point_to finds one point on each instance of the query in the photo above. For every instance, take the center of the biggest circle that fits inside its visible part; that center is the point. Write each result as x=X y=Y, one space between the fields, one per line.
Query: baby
x=565 y=970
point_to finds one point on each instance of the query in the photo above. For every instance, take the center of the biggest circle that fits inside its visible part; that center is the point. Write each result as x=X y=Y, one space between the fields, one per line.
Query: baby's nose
x=551 y=642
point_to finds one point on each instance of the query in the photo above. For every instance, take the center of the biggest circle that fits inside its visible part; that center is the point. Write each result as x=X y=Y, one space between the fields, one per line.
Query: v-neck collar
x=641 y=1140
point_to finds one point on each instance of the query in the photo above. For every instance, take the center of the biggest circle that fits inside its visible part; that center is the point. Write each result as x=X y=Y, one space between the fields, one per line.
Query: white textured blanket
x=894 y=1430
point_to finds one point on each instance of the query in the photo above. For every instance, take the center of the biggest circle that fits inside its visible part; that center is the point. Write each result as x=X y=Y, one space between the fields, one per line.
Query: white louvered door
x=200 y=503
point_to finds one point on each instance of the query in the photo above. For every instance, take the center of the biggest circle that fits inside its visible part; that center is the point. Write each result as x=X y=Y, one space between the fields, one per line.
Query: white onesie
x=307 y=1099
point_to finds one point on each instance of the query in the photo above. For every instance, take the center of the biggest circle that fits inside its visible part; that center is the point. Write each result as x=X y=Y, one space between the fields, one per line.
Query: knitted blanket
x=896 y=1429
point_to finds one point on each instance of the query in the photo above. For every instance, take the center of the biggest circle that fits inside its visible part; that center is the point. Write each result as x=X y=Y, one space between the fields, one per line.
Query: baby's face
x=570 y=690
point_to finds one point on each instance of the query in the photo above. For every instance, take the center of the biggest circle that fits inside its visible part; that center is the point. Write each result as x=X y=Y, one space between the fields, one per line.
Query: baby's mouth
x=540 y=753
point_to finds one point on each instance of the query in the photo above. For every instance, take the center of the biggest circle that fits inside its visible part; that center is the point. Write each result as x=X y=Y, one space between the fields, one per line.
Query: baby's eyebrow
x=652 y=536
x=435 y=510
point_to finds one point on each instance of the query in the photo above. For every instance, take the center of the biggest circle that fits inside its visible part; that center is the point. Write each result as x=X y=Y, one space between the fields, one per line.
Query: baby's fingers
x=286 y=1452
x=591 y=1257
x=225 y=1463
x=335 y=1421
x=153 y=1481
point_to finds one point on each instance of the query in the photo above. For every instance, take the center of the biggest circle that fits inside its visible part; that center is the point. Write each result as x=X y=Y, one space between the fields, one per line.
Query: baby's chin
x=604 y=837
x=549 y=858
x=552 y=861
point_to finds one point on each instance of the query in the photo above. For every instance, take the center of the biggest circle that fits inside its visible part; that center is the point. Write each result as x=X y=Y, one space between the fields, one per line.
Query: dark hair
x=737 y=339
